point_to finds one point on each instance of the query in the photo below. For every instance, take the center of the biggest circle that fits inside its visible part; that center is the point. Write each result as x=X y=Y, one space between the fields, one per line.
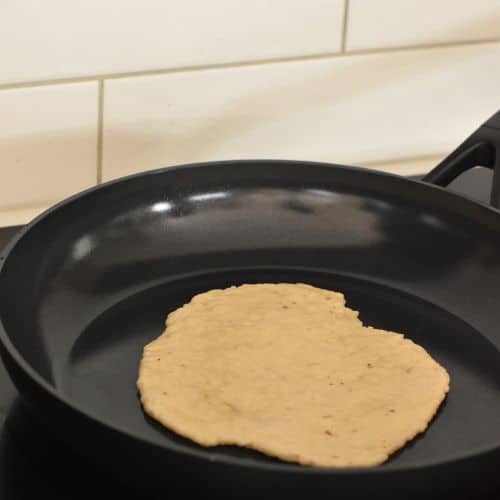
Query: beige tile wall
x=323 y=109
x=92 y=91
x=65 y=39
x=48 y=142
x=403 y=23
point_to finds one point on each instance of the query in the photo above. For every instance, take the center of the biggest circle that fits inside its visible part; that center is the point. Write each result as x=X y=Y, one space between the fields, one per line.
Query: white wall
x=93 y=90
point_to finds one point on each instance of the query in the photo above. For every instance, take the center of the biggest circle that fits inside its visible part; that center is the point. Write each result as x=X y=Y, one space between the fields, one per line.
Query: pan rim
x=51 y=391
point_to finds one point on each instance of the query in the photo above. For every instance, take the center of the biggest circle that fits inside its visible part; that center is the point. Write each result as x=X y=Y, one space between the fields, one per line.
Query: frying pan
x=87 y=284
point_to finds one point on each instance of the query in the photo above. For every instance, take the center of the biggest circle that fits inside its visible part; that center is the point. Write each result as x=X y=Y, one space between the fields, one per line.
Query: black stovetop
x=34 y=464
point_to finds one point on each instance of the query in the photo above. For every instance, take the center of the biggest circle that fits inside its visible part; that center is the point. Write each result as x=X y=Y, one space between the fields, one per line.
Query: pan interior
x=100 y=370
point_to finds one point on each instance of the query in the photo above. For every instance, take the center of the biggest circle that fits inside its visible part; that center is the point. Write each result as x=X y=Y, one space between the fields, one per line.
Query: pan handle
x=482 y=148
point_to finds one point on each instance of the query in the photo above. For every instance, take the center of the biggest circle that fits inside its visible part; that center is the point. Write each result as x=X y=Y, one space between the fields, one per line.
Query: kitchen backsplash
x=90 y=91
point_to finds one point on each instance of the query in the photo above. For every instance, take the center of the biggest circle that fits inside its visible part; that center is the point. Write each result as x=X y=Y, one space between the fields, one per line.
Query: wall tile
x=396 y=23
x=355 y=109
x=20 y=216
x=47 y=142
x=59 y=39
x=405 y=166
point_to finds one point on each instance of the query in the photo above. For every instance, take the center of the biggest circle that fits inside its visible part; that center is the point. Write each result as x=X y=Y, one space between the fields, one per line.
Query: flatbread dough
x=289 y=370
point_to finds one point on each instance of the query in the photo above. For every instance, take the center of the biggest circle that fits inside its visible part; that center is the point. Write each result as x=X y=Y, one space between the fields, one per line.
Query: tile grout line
x=41 y=205
x=100 y=128
x=244 y=64
x=405 y=159
x=343 y=41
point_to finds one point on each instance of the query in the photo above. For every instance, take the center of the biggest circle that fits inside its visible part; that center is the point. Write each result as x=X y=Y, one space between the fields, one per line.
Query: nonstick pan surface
x=89 y=283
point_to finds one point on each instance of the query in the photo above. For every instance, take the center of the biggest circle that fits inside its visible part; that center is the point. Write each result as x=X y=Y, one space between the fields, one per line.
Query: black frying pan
x=89 y=282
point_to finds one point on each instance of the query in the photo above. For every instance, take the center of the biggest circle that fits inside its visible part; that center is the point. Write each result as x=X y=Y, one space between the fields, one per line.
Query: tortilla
x=290 y=371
